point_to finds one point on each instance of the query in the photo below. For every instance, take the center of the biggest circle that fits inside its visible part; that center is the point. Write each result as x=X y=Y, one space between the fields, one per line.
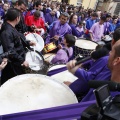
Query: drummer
x=12 y=41
x=59 y=30
x=36 y=23
x=97 y=30
x=66 y=52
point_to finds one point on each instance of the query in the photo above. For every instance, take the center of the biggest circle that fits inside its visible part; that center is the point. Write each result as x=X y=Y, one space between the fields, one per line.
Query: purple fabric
x=106 y=28
x=97 y=31
x=62 y=57
x=67 y=112
x=99 y=71
x=58 y=29
x=50 y=19
x=55 y=71
x=75 y=32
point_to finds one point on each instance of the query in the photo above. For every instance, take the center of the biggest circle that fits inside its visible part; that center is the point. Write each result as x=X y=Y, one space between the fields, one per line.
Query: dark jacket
x=12 y=40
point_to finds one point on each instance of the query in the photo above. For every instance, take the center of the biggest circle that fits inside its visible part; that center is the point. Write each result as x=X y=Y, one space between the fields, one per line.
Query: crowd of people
x=61 y=24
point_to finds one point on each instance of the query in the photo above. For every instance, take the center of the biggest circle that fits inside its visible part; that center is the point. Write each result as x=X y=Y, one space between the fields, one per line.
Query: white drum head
x=31 y=92
x=35 y=60
x=101 y=43
x=48 y=57
x=62 y=76
x=107 y=38
x=85 y=44
x=36 y=38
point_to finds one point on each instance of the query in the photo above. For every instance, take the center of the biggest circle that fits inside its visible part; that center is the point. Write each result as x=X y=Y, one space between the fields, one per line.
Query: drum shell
x=84 y=47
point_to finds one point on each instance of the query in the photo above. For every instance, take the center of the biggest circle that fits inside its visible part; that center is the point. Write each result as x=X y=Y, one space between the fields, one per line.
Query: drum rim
x=50 y=54
x=108 y=40
x=54 y=65
x=39 y=75
x=87 y=40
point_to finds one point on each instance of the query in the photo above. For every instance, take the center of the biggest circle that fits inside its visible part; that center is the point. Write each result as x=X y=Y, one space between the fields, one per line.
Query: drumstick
x=34 y=54
x=35 y=37
x=49 y=56
x=105 y=36
x=31 y=56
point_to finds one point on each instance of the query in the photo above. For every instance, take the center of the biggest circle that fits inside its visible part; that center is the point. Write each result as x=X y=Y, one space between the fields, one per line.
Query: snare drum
x=32 y=92
x=65 y=75
x=84 y=47
x=48 y=57
x=107 y=38
x=36 y=38
x=35 y=61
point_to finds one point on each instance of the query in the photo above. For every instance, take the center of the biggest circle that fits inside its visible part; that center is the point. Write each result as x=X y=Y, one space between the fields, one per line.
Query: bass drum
x=32 y=92
x=84 y=47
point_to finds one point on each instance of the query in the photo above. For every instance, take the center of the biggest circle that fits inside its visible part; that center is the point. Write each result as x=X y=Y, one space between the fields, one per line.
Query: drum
x=84 y=47
x=61 y=76
x=101 y=43
x=48 y=57
x=32 y=92
x=36 y=38
x=49 y=47
x=107 y=38
x=35 y=61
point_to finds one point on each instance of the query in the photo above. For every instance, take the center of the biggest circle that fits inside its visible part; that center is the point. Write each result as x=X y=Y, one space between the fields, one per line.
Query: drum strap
x=66 y=51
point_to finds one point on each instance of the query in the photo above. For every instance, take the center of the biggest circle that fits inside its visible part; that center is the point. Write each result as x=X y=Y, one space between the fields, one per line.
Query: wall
x=74 y=2
x=89 y=4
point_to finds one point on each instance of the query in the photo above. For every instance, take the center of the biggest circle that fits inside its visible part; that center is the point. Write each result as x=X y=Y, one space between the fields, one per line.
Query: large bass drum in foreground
x=31 y=92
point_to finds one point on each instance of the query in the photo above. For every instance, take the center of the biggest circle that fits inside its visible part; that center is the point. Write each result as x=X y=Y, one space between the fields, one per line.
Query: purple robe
x=107 y=29
x=62 y=57
x=58 y=29
x=50 y=19
x=66 y=112
x=98 y=71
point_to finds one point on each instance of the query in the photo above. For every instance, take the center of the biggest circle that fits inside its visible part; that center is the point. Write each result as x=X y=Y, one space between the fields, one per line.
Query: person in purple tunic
x=101 y=72
x=73 y=25
x=107 y=25
x=98 y=71
x=97 y=30
x=51 y=17
x=66 y=52
x=59 y=29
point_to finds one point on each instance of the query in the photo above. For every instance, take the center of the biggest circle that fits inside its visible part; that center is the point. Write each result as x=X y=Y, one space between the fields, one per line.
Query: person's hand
x=67 y=83
x=3 y=64
x=46 y=24
x=56 y=37
x=103 y=37
x=25 y=64
x=36 y=29
x=32 y=43
x=33 y=27
x=60 y=46
x=71 y=66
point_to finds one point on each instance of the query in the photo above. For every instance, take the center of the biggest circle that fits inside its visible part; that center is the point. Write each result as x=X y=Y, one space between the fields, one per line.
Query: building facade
x=111 y=6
